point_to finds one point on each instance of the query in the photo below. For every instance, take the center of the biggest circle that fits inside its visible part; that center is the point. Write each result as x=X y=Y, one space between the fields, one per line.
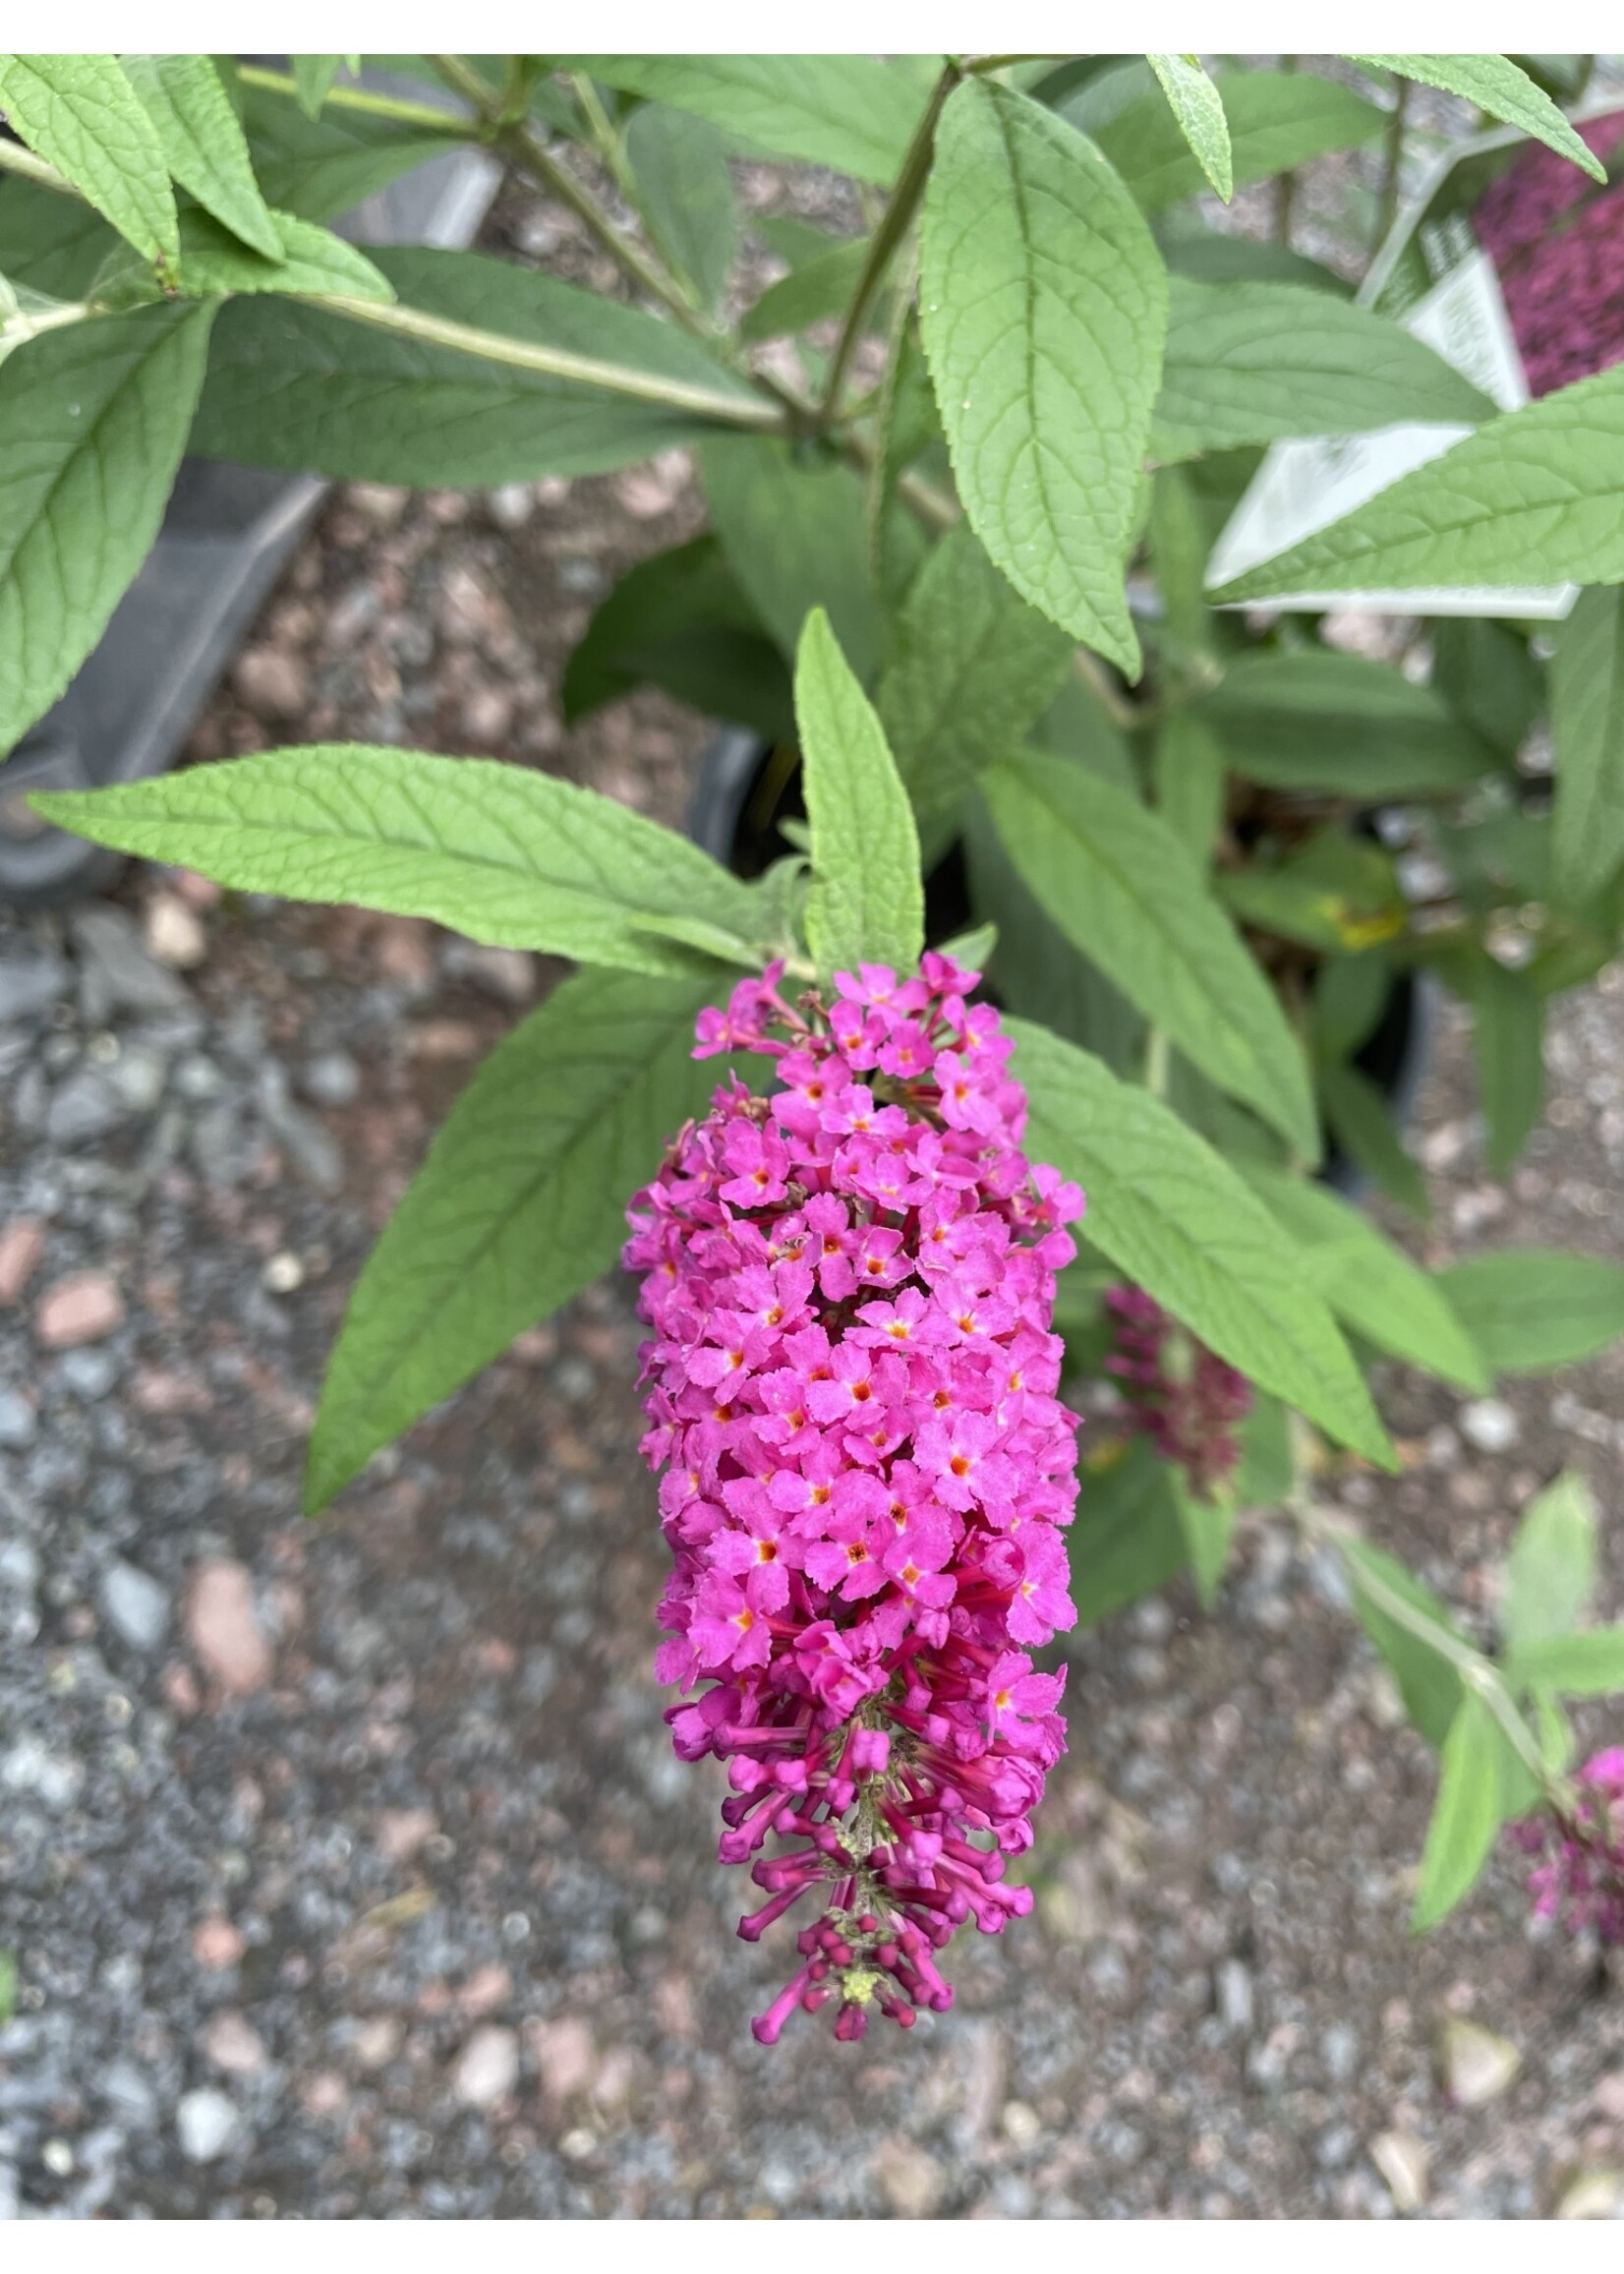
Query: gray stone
x=333 y=1078
x=89 y=1374
x=488 y=2068
x=139 y=1074
x=17 y=1425
x=117 y=972
x=1233 y=1995
x=85 y=1107
x=199 y=1079
x=30 y=984
x=55 y=1779
x=207 y=2125
x=136 y=1606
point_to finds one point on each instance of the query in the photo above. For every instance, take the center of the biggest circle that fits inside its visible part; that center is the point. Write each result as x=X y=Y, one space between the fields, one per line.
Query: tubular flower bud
x=1181 y=1394
x=851 y=1392
x=1578 y=1877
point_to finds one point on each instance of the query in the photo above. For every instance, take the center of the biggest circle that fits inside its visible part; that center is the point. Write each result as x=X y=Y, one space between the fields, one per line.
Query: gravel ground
x=346 y=1867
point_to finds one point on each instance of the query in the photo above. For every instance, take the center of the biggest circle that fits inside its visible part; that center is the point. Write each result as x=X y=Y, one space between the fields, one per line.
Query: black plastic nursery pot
x=749 y=784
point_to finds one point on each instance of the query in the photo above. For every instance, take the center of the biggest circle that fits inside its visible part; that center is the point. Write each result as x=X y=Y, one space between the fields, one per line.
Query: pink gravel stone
x=79 y=1309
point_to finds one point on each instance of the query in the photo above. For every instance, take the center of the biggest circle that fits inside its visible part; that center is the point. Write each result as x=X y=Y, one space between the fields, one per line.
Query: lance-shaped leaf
x=204 y=143
x=1175 y=1217
x=970 y=669
x=518 y=1205
x=1127 y=1538
x=94 y=419
x=509 y=856
x=1368 y=1282
x=1043 y=307
x=1586 y=1664
x=320 y=167
x=82 y=115
x=1550 y=1572
x=1277 y=121
x=215 y=265
x=1126 y=891
x=295 y=386
x=313 y=76
x=1426 y=1673
x=868 y=904
x=680 y=163
x=1466 y=1815
x=1198 y=109
x=1501 y=87
x=1535 y=496
x=1530 y=1309
x=1587 y=698
x=794 y=536
x=1312 y=718
x=852 y=112
x=1256 y=363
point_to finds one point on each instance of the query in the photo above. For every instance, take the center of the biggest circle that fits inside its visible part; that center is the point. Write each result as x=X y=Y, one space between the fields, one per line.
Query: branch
x=726 y=408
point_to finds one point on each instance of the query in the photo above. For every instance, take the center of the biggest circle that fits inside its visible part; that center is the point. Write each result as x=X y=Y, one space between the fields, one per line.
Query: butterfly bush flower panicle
x=850 y=1389
x=1578 y=1876
x=1185 y=1398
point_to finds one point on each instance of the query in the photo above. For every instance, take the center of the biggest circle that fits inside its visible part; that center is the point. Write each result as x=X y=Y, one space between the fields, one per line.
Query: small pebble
x=135 y=1605
x=207 y=2125
x=1402 y=2160
x=1474 y=2064
x=1490 y=1424
x=488 y=2068
x=283 y=1273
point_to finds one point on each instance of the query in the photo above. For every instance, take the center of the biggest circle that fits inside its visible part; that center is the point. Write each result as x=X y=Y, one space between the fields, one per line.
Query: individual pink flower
x=850 y=1389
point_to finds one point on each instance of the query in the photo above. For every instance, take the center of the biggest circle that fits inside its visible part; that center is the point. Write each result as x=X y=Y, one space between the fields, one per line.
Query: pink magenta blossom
x=1579 y=1877
x=1186 y=1399
x=850 y=1389
x=1557 y=241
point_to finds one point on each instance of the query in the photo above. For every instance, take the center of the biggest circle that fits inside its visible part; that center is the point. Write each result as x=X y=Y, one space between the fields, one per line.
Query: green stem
x=1129 y=717
x=1477 y=1673
x=1285 y=194
x=1155 y=1062
x=893 y=227
x=530 y=154
x=16 y=159
x=1392 y=167
x=422 y=116
x=728 y=409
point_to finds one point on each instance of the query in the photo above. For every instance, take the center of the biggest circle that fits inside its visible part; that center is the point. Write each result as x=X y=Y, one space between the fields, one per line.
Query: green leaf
x=1466 y=1815
x=1369 y=1283
x=1336 y=892
x=204 y=145
x=215 y=265
x=1587 y=700
x=1267 y=1469
x=970 y=669
x=511 y=857
x=1311 y=718
x=1126 y=1540
x=679 y=620
x=1199 y=108
x=1256 y=363
x=50 y=242
x=1277 y=122
x=852 y=112
x=1550 y=1572
x=1362 y=1122
x=1586 y=1664
x=296 y=386
x=1428 y=1682
x=312 y=76
x=1214 y=256
x=680 y=163
x=1124 y=889
x=1043 y=308
x=818 y=288
x=1532 y=497
x=95 y=419
x=1175 y=1218
x=1187 y=766
x=1496 y=85
x=1508 y=1020
x=794 y=535
x=1485 y=672
x=1208 y=1528
x=320 y=167
x=518 y=1205
x=82 y=115
x=868 y=904
x=1349 y=995
x=1531 y=1309
x=1035 y=969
